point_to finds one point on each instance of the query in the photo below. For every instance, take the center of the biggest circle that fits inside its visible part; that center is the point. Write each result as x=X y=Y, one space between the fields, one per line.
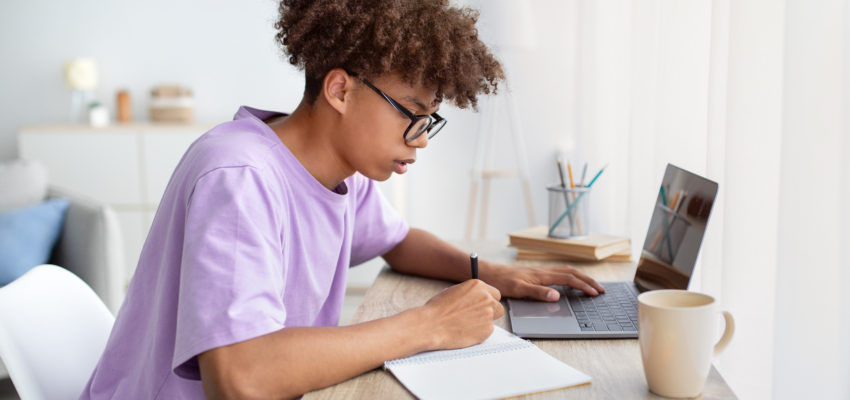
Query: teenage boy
x=241 y=280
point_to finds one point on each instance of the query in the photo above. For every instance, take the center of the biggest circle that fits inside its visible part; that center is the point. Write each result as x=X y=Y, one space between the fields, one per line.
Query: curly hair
x=427 y=42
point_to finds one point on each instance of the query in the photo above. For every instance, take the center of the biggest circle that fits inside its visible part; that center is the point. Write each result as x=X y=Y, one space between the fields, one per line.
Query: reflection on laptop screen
x=676 y=230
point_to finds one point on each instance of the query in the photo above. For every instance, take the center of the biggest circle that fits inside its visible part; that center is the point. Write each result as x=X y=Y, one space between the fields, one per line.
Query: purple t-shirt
x=245 y=242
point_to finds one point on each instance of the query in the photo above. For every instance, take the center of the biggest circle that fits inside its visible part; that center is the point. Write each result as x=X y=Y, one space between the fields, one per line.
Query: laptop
x=669 y=254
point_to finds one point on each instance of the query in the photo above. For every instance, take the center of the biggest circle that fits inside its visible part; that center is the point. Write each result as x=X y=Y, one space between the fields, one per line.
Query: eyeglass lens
x=424 y=125
x=419 y=127
x=436 y=128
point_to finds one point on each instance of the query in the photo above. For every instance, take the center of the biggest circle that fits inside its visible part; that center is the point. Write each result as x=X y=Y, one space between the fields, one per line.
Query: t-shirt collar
x=258 y=116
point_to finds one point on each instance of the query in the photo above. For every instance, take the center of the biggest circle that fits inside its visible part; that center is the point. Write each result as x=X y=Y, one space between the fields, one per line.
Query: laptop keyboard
x=614 y=310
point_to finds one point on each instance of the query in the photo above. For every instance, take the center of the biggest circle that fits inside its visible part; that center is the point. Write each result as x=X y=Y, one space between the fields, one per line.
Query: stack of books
x=535 y=244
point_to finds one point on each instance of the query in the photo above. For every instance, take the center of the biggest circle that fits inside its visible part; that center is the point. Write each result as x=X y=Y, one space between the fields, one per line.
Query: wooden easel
x=483 y=170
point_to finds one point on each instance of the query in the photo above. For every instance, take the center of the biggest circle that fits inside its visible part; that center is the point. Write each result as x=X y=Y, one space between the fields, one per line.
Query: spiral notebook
x=504 y=365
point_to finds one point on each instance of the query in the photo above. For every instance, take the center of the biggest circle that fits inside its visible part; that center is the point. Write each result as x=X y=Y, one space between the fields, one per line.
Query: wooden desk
x=615 y=365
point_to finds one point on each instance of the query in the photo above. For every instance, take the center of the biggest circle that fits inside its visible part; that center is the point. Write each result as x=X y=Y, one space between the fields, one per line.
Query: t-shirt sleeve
x=377 y=226
x=231 y=274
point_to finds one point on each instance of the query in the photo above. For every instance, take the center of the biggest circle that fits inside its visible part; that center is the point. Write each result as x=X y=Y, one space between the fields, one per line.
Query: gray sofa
x=90 y=242
x=90 y=247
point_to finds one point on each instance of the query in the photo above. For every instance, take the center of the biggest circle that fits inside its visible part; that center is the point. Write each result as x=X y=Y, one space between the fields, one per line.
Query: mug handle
x=727 y=333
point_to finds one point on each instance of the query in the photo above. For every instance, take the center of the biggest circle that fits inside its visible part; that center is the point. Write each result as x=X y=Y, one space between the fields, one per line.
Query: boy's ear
x=336 y=88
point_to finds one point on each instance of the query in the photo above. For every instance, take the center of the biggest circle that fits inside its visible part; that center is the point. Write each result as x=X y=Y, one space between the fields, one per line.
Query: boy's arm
x=292 y=361
x=422 y=253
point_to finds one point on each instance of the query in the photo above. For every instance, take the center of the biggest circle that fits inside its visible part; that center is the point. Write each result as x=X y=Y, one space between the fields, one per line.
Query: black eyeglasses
x=419 y=124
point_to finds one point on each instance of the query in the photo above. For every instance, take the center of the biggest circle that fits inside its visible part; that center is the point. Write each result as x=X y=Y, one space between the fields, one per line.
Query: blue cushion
x=27 y=236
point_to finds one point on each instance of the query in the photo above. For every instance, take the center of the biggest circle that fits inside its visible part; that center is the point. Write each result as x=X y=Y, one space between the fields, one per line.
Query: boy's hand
x=463 y=314
x=533 y=282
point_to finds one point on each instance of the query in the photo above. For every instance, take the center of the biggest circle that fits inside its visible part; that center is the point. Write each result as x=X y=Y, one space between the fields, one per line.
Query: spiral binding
x=448 y=355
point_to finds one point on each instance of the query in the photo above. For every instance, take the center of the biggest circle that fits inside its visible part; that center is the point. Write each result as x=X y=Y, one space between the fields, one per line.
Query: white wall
x=223 y=50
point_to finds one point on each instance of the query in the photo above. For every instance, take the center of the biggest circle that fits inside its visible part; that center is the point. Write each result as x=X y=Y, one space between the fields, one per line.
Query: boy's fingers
x=541 y=293
x=590 y=281
x=578 y=280
x=498 y=311
x=493 y=291
x=575 y=282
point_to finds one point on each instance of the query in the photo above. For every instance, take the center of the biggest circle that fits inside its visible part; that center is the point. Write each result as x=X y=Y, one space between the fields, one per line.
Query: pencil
x=597 y=175
x=583 y=174
x=675 y=205
x=666 y=225
x=561 y=175
x=573 y=186
x=675 y=201
x=682 y=200
x=563 y=185
x=473 y=263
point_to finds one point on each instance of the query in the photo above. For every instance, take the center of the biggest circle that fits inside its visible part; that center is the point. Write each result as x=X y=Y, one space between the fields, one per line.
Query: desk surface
x=615 y=365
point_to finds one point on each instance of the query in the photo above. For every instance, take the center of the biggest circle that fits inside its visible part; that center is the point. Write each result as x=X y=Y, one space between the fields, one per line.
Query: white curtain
x=752 y=94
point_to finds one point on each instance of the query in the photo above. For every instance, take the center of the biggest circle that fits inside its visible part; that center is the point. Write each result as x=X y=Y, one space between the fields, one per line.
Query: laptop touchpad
x=539 y=309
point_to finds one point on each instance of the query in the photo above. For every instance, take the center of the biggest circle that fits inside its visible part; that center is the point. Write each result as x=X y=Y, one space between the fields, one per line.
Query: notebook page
x=502 y=367
x=499 y=339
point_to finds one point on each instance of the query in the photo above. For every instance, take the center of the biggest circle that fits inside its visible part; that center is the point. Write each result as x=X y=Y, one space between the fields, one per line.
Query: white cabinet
x=103 y=165
x=126 y=166
x=161 y=154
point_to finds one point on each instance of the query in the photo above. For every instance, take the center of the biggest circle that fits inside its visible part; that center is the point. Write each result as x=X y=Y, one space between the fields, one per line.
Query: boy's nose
x=420 y=143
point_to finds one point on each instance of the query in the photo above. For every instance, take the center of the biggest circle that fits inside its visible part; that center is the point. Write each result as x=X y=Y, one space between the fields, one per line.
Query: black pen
x=473 y=263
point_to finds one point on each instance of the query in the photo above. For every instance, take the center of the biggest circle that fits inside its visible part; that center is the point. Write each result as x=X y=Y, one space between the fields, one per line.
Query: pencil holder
x=569 y=216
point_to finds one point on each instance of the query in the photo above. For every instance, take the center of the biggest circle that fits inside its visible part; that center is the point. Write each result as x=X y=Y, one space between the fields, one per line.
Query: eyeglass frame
x=435 y=121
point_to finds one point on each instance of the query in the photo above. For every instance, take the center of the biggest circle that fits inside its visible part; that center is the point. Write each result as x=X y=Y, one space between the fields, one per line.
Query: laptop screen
x=676 y=230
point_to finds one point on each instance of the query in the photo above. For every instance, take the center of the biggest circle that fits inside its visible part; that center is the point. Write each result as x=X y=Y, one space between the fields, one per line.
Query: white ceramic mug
x=676 y=334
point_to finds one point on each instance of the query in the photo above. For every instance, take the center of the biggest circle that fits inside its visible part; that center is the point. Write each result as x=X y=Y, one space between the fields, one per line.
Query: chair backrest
x=53 y=330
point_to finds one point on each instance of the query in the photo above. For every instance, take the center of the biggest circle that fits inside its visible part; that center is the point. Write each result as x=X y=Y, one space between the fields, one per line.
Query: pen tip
x=473 y=255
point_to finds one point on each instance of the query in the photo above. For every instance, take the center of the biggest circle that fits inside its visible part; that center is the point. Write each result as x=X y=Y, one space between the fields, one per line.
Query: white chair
x=53 y=329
